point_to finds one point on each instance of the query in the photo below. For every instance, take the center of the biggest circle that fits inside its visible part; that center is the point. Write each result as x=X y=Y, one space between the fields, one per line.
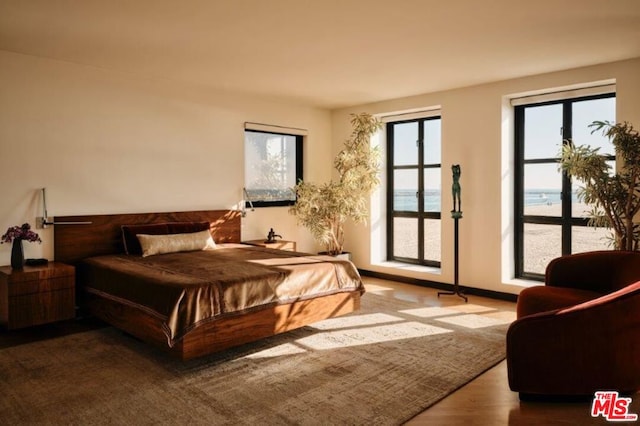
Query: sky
x=543 y=139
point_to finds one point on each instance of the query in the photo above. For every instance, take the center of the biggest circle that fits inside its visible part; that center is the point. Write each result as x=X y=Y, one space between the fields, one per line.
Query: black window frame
x=420 y=214
x=299 y=143
x=566 y=221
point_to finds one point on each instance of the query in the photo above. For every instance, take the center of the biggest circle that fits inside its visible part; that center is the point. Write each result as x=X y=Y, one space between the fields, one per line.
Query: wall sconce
x=248 y=199
x=43 y=221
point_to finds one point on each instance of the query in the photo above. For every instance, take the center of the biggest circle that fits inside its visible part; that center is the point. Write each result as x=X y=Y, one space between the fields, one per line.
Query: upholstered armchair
x=580 y=332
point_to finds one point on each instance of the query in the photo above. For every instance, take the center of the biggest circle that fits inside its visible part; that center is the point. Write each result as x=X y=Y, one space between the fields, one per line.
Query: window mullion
x=421 y=191
x=390 y=191
x=519 y=191
x=567 y=135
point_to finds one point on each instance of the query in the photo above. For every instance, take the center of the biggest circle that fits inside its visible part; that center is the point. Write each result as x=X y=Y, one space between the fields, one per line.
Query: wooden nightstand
x=37 y=295
x=278 y=244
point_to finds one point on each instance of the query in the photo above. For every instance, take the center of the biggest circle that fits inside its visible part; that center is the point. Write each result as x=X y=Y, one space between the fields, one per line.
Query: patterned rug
x=381 y=365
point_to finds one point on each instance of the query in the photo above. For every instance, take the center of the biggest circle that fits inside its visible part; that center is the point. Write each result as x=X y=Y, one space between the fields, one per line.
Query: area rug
x=381 y=365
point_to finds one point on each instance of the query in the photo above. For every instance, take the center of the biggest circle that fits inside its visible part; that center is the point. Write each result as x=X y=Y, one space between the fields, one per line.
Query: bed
x=192 y=302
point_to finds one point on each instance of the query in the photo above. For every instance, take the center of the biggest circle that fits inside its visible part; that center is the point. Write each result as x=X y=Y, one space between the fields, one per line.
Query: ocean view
x=406 y=200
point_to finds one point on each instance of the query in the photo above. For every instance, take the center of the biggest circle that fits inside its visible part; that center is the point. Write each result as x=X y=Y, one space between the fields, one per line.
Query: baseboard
x=441 y=286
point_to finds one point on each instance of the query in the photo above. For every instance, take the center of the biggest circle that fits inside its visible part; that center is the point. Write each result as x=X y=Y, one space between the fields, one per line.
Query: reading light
x=246 y=195
x=43 y=221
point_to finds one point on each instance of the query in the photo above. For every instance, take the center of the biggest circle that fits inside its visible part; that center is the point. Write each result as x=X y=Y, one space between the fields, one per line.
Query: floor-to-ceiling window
x=550 y=220
x=414 y=196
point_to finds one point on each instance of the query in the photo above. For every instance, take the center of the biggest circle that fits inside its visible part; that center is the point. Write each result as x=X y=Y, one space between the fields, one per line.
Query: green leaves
x=323 y=209
x=614 y=197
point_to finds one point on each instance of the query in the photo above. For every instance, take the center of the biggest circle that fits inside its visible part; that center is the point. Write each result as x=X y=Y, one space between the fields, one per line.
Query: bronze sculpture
x=456 y=191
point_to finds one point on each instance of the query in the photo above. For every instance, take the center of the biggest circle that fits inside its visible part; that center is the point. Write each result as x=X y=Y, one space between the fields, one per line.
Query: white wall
x=477 y=134
x=106 y=142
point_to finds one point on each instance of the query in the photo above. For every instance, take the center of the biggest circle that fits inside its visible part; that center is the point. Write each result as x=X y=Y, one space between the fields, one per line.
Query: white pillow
x=173 y=243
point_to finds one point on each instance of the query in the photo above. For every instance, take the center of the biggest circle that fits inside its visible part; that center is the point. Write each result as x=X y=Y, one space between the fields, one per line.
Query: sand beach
x=542 y=242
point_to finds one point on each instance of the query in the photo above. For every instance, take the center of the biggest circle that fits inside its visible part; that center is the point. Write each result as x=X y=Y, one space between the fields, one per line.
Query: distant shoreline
x=406 y=200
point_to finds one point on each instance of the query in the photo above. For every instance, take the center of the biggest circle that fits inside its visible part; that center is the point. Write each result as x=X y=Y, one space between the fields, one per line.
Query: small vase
x=17 y=254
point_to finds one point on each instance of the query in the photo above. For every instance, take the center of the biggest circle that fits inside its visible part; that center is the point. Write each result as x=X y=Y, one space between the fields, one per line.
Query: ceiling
x=326 y=53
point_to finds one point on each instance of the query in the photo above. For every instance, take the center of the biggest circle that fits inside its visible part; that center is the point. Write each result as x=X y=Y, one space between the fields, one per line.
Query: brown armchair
x=580 y=332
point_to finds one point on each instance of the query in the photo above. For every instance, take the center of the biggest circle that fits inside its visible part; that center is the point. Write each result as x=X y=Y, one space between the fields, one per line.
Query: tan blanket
x=187 y=289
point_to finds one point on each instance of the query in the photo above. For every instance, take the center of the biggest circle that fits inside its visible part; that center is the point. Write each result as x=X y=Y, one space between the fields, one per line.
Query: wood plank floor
x=487 y=400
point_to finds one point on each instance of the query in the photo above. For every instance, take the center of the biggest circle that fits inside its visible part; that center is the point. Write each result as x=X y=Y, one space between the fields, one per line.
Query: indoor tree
x=614 y=197
x=324 y=208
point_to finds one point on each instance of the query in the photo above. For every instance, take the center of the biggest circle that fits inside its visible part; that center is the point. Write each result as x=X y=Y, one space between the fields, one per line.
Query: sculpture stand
x=456 y=215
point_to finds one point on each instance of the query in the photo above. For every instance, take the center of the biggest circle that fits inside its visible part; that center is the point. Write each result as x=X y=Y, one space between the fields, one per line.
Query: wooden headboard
x=73 y=243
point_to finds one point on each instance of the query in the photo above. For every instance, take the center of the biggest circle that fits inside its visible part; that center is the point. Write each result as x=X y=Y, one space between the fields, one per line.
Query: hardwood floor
x=487 y=400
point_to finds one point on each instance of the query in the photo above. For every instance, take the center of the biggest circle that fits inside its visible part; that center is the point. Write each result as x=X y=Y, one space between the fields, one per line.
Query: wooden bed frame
x=72 y=243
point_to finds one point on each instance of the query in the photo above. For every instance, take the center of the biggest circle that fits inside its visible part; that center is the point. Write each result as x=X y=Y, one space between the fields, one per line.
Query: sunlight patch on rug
x=474 y=321
x=471 y=308
x=355 y=321
x=430 y=312
x=370 y=335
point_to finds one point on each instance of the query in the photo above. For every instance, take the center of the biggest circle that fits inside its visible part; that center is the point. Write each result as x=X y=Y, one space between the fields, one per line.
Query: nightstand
x=278 y=244
x=36 y=295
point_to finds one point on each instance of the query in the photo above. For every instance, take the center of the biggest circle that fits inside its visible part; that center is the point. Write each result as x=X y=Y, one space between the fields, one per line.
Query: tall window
x=273 y=166
x=550 y=219
x=413 y=197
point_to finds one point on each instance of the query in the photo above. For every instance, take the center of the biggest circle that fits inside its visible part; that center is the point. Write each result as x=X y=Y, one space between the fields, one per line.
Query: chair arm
x=575 y=351
x=599 y=271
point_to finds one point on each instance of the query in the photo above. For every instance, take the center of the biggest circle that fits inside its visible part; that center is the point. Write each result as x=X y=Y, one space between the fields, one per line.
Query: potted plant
x=614 y=197
x=324 y=208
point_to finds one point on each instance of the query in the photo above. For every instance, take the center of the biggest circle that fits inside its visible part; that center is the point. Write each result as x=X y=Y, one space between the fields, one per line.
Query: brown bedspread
x=187 y=289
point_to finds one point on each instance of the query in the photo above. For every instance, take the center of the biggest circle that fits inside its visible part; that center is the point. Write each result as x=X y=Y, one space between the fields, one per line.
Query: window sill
x=521 y=282
x=399 y=266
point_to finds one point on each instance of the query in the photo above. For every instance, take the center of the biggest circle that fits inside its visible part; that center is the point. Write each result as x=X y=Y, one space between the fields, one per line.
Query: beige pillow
x=172 y=243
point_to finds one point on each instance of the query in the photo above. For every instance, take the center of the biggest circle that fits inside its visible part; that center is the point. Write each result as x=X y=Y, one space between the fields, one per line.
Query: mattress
x=187 y=289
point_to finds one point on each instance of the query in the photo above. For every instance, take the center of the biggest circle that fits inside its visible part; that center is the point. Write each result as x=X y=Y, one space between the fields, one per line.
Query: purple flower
x=23 y=232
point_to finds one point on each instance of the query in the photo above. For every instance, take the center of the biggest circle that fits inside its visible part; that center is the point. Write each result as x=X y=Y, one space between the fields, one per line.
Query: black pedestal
x=456 y=287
